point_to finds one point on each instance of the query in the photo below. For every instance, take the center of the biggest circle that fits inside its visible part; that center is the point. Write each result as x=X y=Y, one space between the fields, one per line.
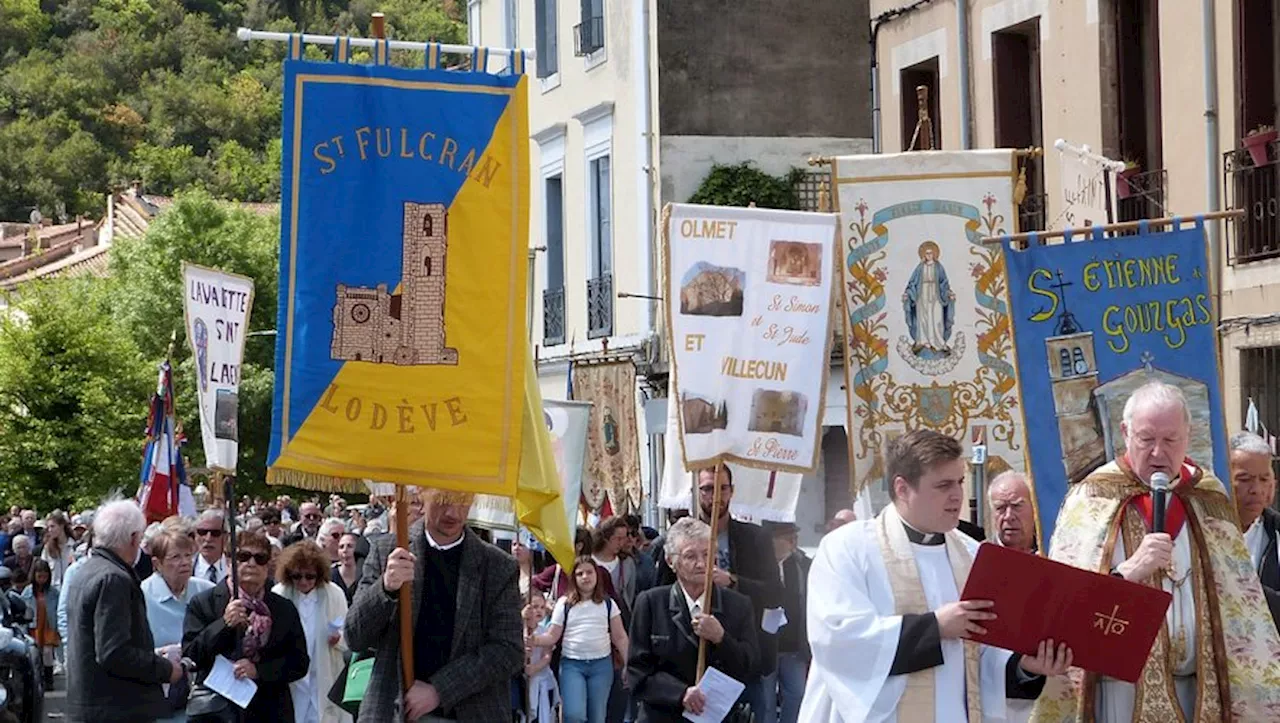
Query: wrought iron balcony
x=553 y=316
x=588 y=36
x=600 y=306
x=1141 y=195
x=1031 y=212
x=1254 y=188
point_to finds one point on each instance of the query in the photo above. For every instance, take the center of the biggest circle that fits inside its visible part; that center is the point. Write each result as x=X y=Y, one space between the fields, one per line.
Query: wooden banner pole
x=711 y=562
x=1087 y=232
x=406 y=590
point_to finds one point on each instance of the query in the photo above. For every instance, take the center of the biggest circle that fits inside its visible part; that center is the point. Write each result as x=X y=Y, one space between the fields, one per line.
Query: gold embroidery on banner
x=1110 y=623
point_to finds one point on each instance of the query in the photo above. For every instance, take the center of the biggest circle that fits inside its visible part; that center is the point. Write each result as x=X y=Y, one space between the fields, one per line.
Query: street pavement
x=55 y=701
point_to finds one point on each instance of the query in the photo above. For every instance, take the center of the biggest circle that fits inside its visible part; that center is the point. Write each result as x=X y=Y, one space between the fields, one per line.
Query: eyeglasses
x=296 y=576
x=261 y=558
x=209 y=533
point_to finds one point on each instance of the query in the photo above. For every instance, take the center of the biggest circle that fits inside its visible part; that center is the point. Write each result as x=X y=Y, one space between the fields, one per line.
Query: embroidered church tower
x=1073 y=376
x=426 y=244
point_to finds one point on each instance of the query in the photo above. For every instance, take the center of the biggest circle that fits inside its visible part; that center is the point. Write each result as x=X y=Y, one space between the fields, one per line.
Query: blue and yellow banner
x=1094 y=320
x=401 y=352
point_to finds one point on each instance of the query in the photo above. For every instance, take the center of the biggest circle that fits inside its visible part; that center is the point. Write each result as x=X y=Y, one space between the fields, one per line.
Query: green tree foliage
x=146 y=282
x=96 y=94
x=73 y=394
x=744 y=184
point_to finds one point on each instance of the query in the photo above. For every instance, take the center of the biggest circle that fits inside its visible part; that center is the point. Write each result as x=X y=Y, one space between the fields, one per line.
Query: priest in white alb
x=886 y=626
x=1217 y=657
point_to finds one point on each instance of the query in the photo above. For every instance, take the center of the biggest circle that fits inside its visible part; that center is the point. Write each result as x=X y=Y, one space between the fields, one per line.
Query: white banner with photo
x=1086 y=193
x=217 y=307
x=750 y=312
x=567 y=423
x=758 y=494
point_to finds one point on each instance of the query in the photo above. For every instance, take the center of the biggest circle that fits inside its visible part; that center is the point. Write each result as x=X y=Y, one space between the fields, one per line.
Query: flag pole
x=711 y=563
x=229 y=499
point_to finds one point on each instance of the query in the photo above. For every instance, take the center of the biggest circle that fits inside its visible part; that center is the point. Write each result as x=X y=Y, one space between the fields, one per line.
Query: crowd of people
x=140 y=615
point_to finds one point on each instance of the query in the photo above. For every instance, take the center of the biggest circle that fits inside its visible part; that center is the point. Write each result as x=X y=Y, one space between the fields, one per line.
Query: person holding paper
x=1253 y=484
x=886 y=625
x=669 y=622
x=303 y=572
x=258 y=631
x=1216 y=659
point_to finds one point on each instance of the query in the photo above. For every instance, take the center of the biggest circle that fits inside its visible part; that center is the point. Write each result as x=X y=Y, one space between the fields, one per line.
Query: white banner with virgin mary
x=927 y=327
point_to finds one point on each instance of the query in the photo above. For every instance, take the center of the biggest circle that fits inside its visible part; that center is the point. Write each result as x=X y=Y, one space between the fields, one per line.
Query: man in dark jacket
x=744 y=564
x=113 y=671
x=793 y=640
x=468 y=635
x=1253 y=484
x=670 y=621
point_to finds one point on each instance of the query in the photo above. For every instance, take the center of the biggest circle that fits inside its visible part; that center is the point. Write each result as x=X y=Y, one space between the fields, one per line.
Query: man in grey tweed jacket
x=468 y=638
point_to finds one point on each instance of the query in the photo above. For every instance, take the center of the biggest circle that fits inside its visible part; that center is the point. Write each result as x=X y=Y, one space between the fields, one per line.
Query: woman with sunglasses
x=254 y=628
x=303 y=572
x=168 y=592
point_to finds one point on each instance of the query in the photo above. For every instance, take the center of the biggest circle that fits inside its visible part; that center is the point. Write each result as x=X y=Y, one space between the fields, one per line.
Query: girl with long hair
x=588 y=625
x=42 y=596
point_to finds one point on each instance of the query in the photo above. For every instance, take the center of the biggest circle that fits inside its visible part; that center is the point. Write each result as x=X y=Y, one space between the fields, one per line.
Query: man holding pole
x=886 y=625
x=466 y=635
x=743 y=562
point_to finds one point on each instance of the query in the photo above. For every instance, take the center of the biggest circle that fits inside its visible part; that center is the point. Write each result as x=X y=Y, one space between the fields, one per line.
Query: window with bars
x=1260 y=382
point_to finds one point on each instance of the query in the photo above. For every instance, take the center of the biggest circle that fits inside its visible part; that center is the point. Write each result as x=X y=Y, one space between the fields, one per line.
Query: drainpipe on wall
x=876 y=24
x=645 y=156
x=1211 y=148
x=962 y=47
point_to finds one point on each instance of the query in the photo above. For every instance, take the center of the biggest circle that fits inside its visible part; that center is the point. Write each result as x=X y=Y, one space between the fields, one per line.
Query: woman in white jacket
x=303 y=572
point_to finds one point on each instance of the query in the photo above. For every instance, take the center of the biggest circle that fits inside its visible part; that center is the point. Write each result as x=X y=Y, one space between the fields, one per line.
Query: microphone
x=1159 y=496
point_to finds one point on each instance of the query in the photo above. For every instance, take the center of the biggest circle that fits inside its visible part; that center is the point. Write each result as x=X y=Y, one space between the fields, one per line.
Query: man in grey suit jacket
x=468 y=636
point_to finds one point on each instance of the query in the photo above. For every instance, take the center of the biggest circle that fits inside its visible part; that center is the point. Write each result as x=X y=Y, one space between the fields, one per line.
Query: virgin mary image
x=929 y=303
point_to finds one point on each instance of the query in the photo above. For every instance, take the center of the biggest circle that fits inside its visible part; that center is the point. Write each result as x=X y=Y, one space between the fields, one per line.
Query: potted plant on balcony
x=1257 y=141
x=1123 y=187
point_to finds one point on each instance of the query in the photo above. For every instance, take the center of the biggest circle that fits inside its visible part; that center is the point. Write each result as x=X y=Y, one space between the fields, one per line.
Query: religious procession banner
x=566 y=424
x=217 y=306
x=404 y=234
x=1094 y=320
x=926 y=320
x=749 y=307
x=613 y=455
x=758 y=494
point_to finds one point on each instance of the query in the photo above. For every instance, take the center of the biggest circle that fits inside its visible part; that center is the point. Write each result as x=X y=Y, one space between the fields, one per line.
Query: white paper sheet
x=773 y=620
x=222 y=680
x=721 y=692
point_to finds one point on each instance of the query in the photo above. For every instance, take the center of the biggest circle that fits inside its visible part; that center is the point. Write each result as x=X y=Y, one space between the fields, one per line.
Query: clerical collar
x=923 y=538
x=442 y=548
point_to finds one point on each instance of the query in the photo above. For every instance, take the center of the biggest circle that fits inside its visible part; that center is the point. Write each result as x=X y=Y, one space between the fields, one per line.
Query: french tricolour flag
x=163 y=489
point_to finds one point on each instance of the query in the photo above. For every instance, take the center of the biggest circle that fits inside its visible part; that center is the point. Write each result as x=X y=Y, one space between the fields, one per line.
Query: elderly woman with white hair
x=112 y=664
x=668 y=622
x=331 y=532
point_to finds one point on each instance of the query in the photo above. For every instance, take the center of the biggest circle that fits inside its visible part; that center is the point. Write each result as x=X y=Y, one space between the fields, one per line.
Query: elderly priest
x=1216 y=659
x=886 y=626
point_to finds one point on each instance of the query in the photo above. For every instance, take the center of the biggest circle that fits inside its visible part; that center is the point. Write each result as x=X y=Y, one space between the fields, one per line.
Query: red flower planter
x=1123 y=189
x=1257 y=145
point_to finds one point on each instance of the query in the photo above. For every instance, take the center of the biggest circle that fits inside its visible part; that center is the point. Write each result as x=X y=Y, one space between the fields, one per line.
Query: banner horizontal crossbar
x=1087 y=232
x=245 y=35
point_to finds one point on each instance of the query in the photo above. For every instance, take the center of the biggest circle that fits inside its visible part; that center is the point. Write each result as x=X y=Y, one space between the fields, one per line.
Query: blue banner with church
x=1095 y=319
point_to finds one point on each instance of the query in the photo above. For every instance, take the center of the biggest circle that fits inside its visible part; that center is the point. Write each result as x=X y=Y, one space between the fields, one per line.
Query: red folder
x=1109 y=623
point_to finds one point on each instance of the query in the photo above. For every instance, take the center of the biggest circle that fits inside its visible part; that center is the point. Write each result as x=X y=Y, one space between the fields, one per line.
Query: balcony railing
x=1141 y=195
x=600 y=306
x=1255 y=189
x=553 y=316
x=588 y=35
x=1031 y=212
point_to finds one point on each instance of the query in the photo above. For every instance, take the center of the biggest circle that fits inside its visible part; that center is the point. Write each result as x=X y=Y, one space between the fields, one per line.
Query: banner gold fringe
x=317 y=482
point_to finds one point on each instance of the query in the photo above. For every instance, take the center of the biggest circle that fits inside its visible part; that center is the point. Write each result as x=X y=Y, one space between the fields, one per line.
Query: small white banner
x=758 y=494
x=217 y=307
x=567 y=423
x=1084 y=190
x=750 y=309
